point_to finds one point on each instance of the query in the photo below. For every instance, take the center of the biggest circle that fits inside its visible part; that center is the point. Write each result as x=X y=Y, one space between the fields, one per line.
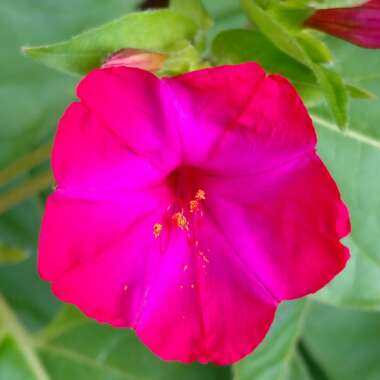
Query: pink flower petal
x=111 y=286
x=77 y=226
x=239 y=121
x=286 y=225
x=137 y=108
x=89 y=155
x=203 y=306
x=210 y=101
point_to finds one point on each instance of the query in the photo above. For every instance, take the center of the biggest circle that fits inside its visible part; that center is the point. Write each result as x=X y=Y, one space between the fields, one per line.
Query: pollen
x=194 y=204
x=157 y=228
x=180 y=221
x=185 y=267
x=200 y=195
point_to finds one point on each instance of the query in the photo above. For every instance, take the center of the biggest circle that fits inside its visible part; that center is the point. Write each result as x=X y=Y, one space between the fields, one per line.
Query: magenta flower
x=359 y=25
x=187 y=208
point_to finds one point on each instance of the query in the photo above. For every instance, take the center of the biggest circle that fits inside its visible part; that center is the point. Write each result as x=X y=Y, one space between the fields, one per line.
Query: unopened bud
x=142 y=59
x=359 y=25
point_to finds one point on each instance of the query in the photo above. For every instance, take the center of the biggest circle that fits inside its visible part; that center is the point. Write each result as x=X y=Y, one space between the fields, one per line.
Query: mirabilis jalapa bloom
x=359 y=25
x=188 y=208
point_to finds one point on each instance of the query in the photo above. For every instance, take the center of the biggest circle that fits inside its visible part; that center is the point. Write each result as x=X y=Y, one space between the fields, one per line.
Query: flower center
x=185 y=211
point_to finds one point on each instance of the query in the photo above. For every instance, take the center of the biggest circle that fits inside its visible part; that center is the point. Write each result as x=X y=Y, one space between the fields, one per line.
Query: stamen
x=180 y=221
x=194 y=204
x=157 y=228
x=200 y=195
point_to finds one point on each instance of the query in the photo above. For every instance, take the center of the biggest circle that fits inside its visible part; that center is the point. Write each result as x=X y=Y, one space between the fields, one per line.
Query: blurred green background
x=334 y=335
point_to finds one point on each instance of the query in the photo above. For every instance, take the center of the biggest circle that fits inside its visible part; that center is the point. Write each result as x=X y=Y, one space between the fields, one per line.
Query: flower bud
x=139 y=58
x=359 y=25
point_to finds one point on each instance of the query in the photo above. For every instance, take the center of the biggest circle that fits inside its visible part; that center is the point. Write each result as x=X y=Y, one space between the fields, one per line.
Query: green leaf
x=275 y=32
x=277 y=357
x=358 y=92
x=334 y=3
x=226 y=14
x=241 y=45
x=21 y=345
x=291 y=14
x=31 y=97
x=74 y=347
x=13 y=364
x=194 y=10
x=153 y=30
x=316 y=49
x=25 y=163
x=335 y=93
x=345 y=343
x=30 y=297
x=12 y=255
x=323 y=4
x=185 y=58
x=25 y=190
x=332 y=86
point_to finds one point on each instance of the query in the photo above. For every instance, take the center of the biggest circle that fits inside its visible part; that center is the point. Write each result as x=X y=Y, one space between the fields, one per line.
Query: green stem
x=21 y=337
x=25 y=190
x=25 y=163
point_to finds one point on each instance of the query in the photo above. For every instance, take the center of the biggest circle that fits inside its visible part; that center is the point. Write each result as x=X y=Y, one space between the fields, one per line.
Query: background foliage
x=333 y=335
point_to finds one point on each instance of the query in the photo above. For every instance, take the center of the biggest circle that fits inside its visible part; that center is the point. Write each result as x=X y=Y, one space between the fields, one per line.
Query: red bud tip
x=139 y=58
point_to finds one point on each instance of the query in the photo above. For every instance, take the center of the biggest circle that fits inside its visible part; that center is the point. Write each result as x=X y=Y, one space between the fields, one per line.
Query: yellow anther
x=180 y=221
x=194 y=204
x=157 y=228
x=200 y=195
